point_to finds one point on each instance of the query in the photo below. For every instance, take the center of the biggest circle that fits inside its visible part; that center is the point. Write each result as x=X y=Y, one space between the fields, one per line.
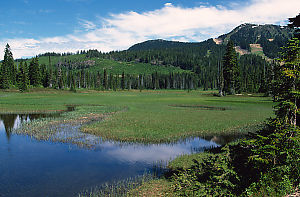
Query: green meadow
x=148 y=116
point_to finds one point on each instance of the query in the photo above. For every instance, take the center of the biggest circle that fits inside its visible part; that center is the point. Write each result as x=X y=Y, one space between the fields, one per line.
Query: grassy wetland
x=147 y=116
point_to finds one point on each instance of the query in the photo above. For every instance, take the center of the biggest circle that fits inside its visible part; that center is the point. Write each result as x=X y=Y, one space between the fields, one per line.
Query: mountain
x=255 y=38
x=248 y=38
x=160 y=44
x=159 y=61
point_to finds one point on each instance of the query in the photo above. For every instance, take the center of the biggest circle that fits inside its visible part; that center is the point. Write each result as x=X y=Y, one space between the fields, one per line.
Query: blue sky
x=36 y=26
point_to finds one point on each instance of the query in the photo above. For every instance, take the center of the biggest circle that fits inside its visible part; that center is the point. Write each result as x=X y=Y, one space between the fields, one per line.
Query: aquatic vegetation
x=118 y=188
x=65 y=128
x=149 y=116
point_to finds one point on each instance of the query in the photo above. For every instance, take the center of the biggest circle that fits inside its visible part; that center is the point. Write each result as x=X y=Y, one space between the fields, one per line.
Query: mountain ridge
x=249 y=38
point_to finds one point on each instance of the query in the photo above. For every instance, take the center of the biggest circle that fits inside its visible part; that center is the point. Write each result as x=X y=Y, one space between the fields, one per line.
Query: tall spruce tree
x=230 y=70
x=105 y=82
x=123 y=81
x=295 y=23
x=34 y=72
x=4 y=82
x=8 y=72
x=23 y=77
x=288 y=82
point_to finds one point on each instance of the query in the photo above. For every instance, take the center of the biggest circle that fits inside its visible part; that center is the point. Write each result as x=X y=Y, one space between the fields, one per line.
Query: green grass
x=148 y=116
x=184 y=162
x=125 y=187
x=158 y=187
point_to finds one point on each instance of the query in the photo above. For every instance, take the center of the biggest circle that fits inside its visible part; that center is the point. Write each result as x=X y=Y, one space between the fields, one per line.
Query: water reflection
x=153 y=152
x=8 y=121
x=223 y=139
x=13 y=121
x=33 y=168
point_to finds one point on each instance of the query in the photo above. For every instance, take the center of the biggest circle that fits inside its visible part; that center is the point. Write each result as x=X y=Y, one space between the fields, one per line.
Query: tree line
x=63 y=76
x=206 y=60
x=208 y=65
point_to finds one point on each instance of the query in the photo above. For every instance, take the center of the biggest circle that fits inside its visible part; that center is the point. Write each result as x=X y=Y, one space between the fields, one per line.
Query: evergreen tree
x=8 y=73
x=59 y=79
x=34 y=72
x=220 y=79
x=73 y=83
x=123 y=81
x=295 y=23
x=23 y=77
x=105 y=82
x=230 y=69
x=288 y=83
x=4 y=82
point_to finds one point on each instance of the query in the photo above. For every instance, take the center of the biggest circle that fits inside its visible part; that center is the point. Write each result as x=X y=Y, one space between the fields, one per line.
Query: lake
x=41 y=168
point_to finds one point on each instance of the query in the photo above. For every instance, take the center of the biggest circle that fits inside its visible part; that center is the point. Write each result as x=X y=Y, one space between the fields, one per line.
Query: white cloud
x=87 y=25
x=119 y=31
x=168 y=4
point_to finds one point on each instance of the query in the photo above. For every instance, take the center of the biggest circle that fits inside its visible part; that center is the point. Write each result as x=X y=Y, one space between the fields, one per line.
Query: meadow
x=150 y=116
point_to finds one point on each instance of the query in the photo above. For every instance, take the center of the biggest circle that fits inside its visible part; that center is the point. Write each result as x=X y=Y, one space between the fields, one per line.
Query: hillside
x=249 y=38
x=162 y=61
x=256 y=44
x=265 y=38
x=160 y=44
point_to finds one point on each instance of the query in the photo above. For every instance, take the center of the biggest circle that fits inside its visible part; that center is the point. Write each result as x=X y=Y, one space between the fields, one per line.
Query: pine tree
x=230 y=69
x=123 y=81
x=220 y=79
x=4 y=82
x=8 y=74
x=73 y=83
x=288 y=83
x=105 y=82
x=23 y=77
x=34 y=72
x=295 y=23
x=59 y=78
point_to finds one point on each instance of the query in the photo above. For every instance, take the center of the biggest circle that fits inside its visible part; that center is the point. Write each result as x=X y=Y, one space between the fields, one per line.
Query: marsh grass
x=133 y=116
x=146 y=117
x=65 y=128
x=118 y=188
x=133 y=186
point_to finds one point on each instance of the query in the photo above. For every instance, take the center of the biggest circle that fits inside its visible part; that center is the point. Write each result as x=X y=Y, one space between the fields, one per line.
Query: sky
x=32 y=27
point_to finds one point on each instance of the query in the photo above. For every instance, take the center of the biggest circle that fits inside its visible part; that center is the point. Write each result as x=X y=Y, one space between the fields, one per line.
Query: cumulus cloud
x=119 y=31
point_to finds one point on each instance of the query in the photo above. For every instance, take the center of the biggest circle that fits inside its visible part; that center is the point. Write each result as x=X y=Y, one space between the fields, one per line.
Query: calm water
x=38 y=168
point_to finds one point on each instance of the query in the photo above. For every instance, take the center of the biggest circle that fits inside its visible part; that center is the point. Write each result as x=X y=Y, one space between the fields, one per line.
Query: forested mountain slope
x=270 y=37
x=246 y=36
x=168 y=64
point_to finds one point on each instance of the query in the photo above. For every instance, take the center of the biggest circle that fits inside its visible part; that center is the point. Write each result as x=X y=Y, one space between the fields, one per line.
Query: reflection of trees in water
x=9 y=122
x=10 y=119
x=223 y=139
